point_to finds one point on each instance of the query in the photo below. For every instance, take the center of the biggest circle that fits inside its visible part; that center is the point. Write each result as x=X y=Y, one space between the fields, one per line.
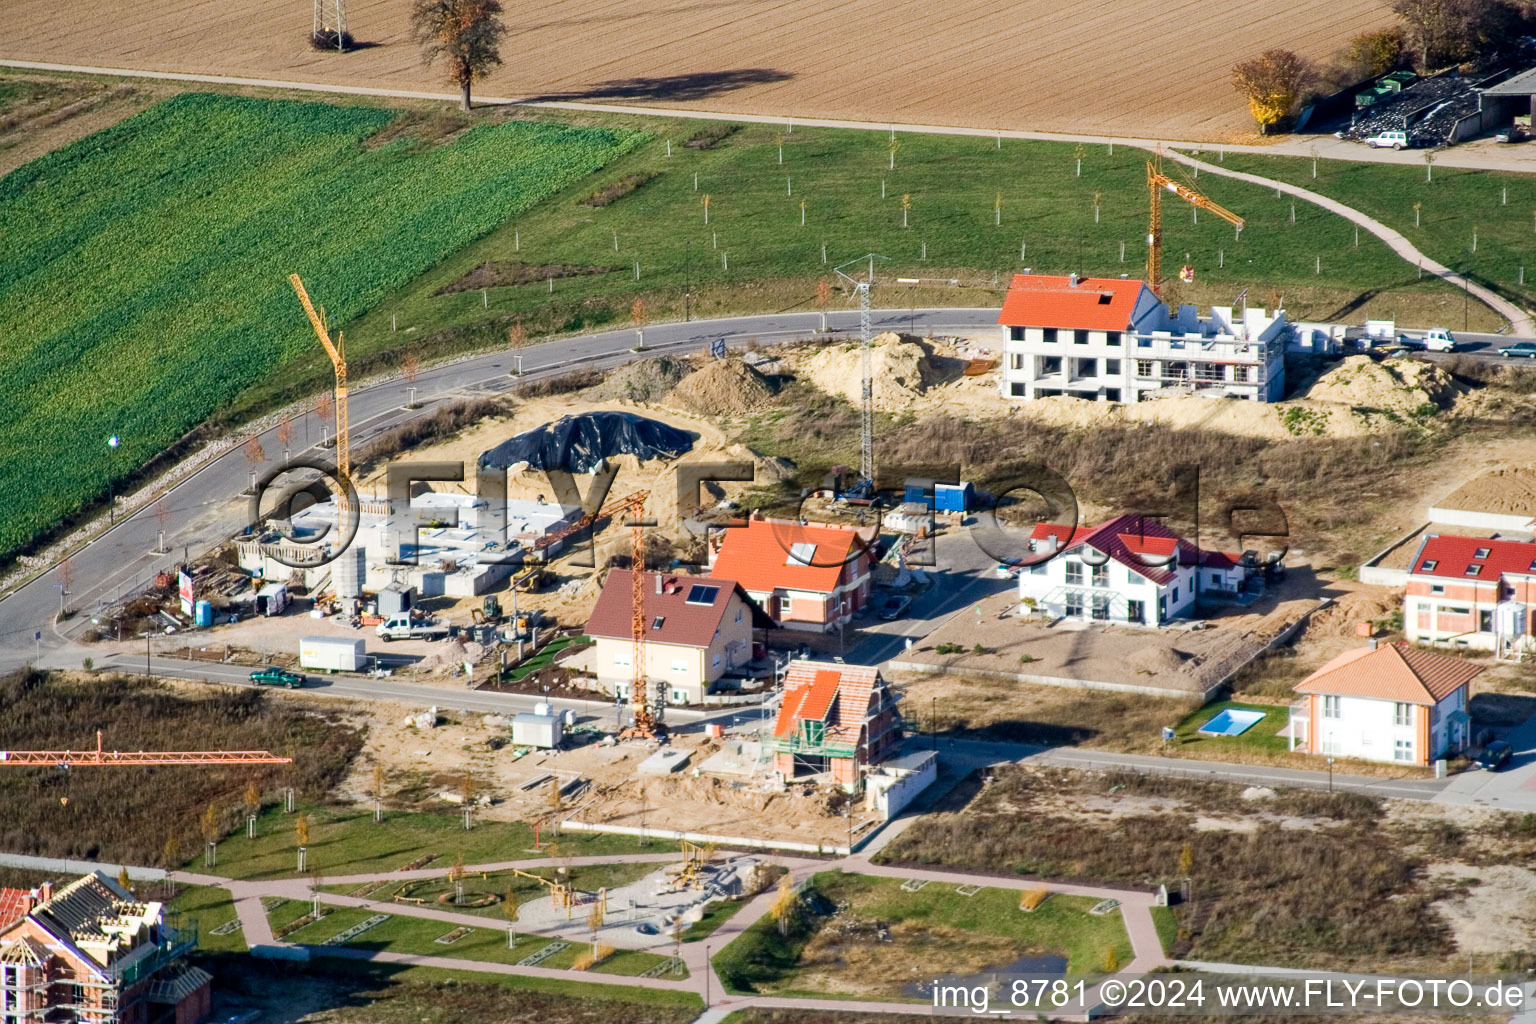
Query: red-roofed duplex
x=1109 y=339
x=1473 y=592
x=1129 y=570
x=1394 y=703
x=811 y=576
x=835 y=719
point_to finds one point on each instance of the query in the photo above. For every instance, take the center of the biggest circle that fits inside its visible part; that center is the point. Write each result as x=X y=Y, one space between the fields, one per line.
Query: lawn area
x=754 y=253
x=888 y=938
x=590 y=877
x=1258 y=738
x=715 y=915
x=211 y=906
x=173 y=232
x=544 y=658
x=1499 y=206
x=402 y=934
x=346 y=841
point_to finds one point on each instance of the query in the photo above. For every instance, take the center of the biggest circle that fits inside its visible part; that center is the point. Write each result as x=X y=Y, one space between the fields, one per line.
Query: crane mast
x=141 y=758
x=1157 y=183
x=337 y=352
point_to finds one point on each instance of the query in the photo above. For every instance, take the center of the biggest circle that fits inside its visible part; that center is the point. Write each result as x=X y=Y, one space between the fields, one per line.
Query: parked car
x=1519 y=350
x=1494 y=756
x=274 y=676
x=1511 y=134
x=895 y=606
x=1006 y=570
x=1388 y=140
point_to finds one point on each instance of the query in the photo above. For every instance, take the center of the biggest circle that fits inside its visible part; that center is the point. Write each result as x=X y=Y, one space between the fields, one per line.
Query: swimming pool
x=1231 y=722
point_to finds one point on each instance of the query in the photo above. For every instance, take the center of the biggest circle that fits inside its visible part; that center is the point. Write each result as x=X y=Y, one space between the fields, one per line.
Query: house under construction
x=837 y=720
x=91 y=953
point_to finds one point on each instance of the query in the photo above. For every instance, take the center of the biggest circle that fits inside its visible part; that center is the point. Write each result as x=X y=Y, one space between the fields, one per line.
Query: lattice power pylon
x=867 y=386
x=331 y=16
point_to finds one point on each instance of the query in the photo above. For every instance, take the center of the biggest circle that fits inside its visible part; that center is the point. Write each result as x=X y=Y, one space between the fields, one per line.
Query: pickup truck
x=403 y=627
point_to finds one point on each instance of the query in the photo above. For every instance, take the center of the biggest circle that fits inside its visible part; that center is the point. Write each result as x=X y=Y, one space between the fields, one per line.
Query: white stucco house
x=1112 y=340
x=1394 y=703
x=1131 y=570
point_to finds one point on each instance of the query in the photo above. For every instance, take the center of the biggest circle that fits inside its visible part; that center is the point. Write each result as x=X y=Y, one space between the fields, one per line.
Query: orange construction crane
x=631 y=503
x=646 y=725
x=1157 y=181
x=337 y=351
x=104 y=758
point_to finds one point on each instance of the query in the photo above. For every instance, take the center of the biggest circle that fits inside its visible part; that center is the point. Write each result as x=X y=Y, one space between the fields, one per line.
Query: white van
x=1394 y=140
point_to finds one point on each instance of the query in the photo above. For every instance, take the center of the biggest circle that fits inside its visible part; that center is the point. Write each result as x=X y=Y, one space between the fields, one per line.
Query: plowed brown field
x=1102 y=67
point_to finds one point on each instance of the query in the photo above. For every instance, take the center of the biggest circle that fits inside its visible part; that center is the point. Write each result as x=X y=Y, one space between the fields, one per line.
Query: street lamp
x=1330 y=775
x=112 y=442
x=687 y=276
x=1466 y=287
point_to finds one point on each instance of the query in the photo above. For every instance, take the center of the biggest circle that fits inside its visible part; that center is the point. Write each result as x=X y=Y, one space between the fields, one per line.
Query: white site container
x=536 y=730
x=331 y=654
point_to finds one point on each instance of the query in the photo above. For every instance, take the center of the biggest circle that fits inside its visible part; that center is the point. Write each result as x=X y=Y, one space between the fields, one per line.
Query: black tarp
x=580 y=443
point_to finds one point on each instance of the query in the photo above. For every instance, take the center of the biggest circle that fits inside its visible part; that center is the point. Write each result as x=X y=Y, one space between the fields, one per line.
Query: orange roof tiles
x=1474 y=558
x=1093 y=304
x=811 y=687
x=1396 y=672
x=761 y=556
x=13 y=904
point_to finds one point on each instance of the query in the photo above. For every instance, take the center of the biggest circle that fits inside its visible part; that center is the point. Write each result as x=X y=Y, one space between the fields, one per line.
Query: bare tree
x=823 y=293
x=410 y=366
x=465 y=34
x=255 y=454
x=325 y=407
x=285 y=431
x=1273 y=83
x=517 y=335
x=1437 y=29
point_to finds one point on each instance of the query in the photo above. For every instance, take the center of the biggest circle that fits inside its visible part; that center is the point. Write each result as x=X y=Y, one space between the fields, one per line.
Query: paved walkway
x=1520 y=320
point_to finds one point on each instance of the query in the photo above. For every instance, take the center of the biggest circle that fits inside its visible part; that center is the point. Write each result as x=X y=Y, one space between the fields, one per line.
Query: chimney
x=1072 y=280
x=45 y=892
x=29 y=902
x=1373 y=643
x=658 y=583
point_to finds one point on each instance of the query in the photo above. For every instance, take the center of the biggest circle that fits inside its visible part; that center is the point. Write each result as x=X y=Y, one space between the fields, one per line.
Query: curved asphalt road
x=208 y=507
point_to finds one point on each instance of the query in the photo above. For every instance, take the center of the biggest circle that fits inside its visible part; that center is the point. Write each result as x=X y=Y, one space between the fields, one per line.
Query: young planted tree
x=123 y=879
x=301 y=829
x=517 y=335
x=255 y=454
x=509 y=911
x=595 y=923
x=285 y=431
x=464 y=34
x=785 y=906
x=325 y=407
x=823 y=294
x=251 y=800
x=1273 y=83
x=410 y=366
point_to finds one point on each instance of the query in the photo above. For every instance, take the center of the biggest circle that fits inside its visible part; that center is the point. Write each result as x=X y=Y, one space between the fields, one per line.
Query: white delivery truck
x=331 y=654
x=403 y=627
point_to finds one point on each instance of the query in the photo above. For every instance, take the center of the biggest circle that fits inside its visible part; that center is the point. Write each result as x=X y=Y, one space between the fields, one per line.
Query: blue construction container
x=202 y=614
x=915 y=494
x=953 y=497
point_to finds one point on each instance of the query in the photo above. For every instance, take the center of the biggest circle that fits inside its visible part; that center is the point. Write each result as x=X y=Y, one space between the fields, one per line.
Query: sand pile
x=1339 y=618
x=645 y=381
x=724 y=387
x=1155 y=661
x=1401 y=386
x=1510 y=491
x=901 y=371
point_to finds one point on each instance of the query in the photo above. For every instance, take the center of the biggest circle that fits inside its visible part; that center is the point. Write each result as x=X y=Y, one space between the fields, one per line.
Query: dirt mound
x=1156 y=661
x=724 y=387
x=1510 y=491
x=1339 y=618
x=901 y=371
x=1400 y=386
x=645 y=381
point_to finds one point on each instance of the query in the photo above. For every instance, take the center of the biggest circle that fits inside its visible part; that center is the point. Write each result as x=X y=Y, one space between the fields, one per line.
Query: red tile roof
x=13 y=904
x=1447 y=557
x=810 y=687
x=1396 y=672
x=1130 y=538
x=761 y=556
x=682 y=623
x=1093 y=304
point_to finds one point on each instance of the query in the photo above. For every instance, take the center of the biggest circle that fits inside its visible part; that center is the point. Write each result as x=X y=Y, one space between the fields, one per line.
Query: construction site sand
x=1498 y=912
x=679 y=801
x=929 y=63
x=722 y=388
x=1508 y=491
x=900 y=370
x=1357 y=398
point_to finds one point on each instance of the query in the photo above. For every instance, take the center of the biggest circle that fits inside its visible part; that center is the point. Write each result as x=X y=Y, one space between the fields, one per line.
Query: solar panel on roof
x=701 y=594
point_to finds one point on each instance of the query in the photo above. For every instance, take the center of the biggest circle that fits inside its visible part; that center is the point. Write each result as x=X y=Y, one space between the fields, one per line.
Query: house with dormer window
x=1477 y=592
x=1131 y=570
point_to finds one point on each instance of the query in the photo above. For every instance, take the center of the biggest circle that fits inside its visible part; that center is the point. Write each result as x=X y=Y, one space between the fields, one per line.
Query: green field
x=345 y=840
x=933 y=929
x=403 y=934
x=1454 y=204
x=145 y=279
x=145 y=273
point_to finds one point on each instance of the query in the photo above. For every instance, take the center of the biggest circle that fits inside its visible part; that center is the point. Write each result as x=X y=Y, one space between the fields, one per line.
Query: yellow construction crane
x=337 y=351
x=646 y=726
x=1157 y=181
